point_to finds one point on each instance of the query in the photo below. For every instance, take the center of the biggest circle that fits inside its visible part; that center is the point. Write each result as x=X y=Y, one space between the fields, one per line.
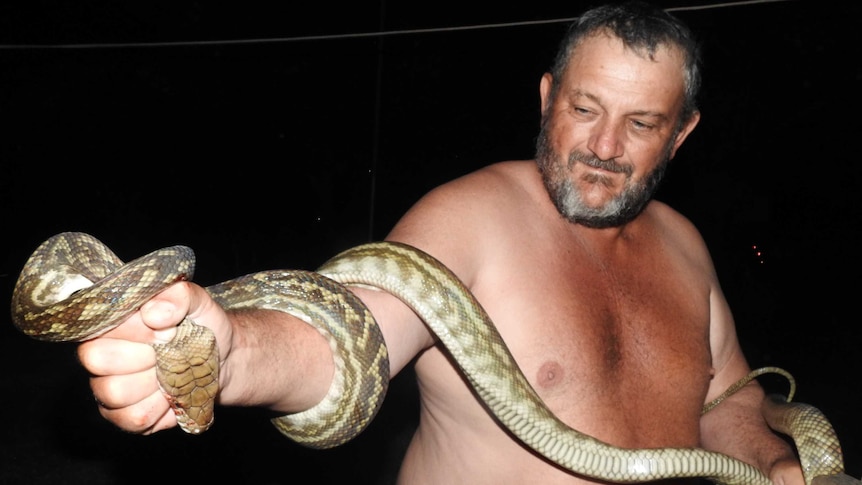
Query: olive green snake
x=73 y=288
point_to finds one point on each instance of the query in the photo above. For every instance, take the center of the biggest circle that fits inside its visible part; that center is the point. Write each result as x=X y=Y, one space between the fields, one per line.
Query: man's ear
x=684 y=132
x=545 y=86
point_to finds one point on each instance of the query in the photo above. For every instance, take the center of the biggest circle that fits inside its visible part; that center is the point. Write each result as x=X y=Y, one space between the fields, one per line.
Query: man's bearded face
x=565 y=194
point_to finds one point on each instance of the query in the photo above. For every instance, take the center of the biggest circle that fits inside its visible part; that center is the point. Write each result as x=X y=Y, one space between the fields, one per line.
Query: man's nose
x=606 y=140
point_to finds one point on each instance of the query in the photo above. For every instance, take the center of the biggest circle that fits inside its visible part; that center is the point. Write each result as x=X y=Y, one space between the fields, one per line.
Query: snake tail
x=815 y=439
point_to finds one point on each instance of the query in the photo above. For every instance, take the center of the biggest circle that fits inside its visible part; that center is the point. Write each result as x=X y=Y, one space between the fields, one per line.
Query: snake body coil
x=60 y=303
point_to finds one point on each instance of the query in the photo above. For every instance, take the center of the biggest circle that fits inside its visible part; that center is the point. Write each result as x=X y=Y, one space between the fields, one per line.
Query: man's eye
x=640 y=125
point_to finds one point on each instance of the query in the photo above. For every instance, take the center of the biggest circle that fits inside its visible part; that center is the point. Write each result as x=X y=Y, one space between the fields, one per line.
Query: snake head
x=187 y=369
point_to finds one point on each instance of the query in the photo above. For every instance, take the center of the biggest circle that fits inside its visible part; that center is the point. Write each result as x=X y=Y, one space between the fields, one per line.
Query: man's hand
x=122 y=362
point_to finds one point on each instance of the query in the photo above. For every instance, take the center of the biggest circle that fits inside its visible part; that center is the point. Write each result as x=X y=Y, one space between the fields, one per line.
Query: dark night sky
x=149 y=124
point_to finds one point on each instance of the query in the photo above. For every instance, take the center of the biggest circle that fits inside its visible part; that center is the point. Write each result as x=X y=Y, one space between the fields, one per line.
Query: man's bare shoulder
x=458 y=220
x=469 y=200
x=492 y=180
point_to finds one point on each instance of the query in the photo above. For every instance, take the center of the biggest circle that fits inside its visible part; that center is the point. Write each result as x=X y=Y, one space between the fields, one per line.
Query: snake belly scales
x=74 y=288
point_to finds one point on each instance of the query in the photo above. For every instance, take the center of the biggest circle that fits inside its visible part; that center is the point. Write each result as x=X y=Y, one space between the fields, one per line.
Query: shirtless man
x=608 y=300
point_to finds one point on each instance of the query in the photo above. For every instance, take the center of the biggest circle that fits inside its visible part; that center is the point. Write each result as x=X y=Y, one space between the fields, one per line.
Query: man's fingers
x=147 y=416
x=124 y=385
x=167 y=308
x=110 y=356
x=121 y=391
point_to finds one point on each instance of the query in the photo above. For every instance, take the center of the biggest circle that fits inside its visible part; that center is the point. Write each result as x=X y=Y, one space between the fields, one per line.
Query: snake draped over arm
x=74 y=288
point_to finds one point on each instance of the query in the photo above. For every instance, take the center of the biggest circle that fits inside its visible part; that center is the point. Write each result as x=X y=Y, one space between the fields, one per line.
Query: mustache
x=591 y=161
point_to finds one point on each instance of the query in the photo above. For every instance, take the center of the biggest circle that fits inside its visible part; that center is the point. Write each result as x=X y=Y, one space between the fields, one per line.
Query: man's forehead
x=603 y=54
x=606 y=71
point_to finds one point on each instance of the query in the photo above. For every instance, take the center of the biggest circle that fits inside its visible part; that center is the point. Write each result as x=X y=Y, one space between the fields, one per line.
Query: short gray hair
x=642 y=28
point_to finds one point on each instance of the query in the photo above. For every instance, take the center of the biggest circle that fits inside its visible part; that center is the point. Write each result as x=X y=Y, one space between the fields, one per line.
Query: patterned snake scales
x=74 y=288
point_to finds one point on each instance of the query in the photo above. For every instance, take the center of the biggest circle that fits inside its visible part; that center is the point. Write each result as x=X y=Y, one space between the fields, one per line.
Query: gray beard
x=567 y=198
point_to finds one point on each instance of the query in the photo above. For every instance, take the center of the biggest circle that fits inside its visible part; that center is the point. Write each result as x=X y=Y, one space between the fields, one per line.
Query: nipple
x=549 y=375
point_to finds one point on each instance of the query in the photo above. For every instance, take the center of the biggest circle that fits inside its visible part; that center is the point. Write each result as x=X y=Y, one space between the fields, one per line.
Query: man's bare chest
x=622 y=348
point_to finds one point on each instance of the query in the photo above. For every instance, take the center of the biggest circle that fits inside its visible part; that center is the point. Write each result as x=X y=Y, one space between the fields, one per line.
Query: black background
x=265 y=136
